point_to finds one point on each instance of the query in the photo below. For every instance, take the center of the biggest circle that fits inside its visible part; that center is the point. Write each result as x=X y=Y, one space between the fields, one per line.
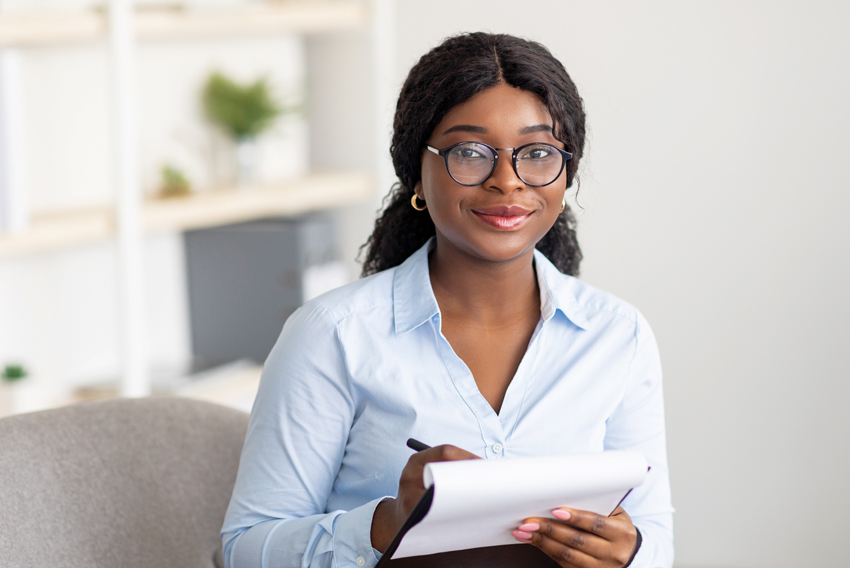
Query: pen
x=417 y=445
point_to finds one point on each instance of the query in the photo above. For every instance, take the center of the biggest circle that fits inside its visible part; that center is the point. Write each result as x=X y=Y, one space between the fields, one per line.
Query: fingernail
x=522 y=536
x=561 y=514
x=529 y=527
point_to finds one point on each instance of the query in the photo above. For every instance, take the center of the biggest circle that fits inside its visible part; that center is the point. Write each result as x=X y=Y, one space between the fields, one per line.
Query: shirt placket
x=515 y=396
x=493 y=436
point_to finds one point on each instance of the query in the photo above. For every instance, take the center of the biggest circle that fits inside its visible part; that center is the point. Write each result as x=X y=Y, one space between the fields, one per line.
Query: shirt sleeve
x=293 y=450
x=638 y=424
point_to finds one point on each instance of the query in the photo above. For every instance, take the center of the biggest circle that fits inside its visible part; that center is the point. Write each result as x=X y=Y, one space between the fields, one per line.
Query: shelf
x=60 y=230
x=207 y=209
x=58 y=27
x=18 y=30
x=233 y=385
x=311 y=193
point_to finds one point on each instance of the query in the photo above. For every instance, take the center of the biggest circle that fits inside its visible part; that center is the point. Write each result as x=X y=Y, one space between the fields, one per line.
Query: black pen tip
x=416 y=445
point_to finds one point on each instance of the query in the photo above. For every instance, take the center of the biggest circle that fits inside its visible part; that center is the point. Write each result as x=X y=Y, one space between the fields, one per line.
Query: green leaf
x=14 y=373
x=244 y=111
x=174 y=182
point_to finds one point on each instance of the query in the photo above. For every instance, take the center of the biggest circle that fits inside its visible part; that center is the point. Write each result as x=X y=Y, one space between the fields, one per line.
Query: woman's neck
x=490 y=293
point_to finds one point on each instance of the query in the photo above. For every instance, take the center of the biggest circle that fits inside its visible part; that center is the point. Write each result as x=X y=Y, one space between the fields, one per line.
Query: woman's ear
x=417 y=189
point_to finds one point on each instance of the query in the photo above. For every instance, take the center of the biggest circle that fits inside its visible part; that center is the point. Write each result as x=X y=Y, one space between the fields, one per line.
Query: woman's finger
x=564 y=555
x=412 y=472
x=572 y=537
x=445 y=452
x=609 y=528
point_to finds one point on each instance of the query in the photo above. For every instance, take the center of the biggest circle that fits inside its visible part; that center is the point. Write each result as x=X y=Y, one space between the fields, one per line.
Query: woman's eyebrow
x=482 y=130
x=467 y=128
x=536 y=128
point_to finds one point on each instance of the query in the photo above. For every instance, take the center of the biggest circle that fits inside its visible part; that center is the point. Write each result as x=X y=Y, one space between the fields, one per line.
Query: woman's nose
x=504 y=178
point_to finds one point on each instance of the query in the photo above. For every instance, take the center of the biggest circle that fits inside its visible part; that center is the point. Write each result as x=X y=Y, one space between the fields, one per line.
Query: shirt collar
x=556 y=292
x=414 y=302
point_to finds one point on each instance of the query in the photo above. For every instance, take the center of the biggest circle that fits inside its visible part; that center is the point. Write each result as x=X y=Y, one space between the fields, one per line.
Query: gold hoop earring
x=563 y=205
x=413 y=202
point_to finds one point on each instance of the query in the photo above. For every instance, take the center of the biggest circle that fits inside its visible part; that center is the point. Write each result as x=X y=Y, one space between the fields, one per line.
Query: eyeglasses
x=472 y=163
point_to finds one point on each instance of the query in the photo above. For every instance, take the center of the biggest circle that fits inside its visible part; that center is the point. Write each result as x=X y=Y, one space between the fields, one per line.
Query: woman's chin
x=500 y=247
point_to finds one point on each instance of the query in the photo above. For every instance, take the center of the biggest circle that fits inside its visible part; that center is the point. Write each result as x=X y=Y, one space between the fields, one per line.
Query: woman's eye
x=467 y=153
x=537 y=153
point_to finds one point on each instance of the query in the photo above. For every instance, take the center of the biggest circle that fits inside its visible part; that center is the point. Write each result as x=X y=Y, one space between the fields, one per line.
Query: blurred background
x=137 y=214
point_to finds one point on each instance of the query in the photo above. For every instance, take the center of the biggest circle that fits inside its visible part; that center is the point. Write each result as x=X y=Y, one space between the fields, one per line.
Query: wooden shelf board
x=313 y=192
x=292 y=17
x=236 y=387
x=29 y=29
x=39 y=28
x=60 y=230
x=207 y=209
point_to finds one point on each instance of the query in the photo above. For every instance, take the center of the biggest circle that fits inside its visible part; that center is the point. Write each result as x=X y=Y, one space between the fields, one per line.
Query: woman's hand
x=580 y=539
x=391 y=514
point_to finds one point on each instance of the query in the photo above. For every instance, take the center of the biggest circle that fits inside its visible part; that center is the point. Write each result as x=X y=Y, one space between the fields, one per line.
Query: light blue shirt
x=359 y=370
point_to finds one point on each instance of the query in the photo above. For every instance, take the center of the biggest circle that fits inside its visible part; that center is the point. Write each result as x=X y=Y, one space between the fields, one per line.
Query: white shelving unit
x=121 y=29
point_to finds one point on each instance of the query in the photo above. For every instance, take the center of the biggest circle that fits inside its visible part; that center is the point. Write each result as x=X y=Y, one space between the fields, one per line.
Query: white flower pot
x=19 y=396
x=247 y=161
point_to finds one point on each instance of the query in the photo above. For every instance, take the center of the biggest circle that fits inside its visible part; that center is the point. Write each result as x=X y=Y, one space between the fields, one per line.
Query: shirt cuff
x=635 y=560
x=352 y=540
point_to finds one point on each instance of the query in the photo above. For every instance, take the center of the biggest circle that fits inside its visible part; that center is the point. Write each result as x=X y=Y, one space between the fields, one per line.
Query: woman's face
x=501 y=219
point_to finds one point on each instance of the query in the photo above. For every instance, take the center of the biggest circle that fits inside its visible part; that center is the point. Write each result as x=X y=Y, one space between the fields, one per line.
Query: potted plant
x=174 y=182
x=9 y=378
x=243 y=111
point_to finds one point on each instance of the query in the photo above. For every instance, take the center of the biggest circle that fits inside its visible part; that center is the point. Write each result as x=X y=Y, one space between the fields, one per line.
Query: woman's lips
x=503 y=217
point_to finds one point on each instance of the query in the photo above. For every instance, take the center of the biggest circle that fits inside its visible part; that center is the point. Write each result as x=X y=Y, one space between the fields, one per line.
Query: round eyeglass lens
x=539 y=164
x=470 y=163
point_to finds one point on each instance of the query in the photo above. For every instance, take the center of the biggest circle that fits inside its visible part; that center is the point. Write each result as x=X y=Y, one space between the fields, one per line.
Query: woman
x=469 y=331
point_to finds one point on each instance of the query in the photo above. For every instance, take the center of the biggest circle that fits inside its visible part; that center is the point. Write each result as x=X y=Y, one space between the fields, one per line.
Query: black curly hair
x=451 y=74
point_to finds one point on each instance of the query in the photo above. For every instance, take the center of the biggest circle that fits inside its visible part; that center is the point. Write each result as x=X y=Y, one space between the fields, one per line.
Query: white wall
x=715 y=191
x=342 y=132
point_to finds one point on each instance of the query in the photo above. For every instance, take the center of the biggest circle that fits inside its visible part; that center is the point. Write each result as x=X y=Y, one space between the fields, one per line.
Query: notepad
x=477 y=503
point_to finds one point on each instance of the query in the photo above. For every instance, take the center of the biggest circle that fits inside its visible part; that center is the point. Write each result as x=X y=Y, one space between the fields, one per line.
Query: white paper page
x=479 y=502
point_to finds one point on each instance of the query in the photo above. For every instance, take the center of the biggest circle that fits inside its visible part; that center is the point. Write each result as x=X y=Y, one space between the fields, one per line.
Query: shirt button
x=361 y=561
x=497 y=448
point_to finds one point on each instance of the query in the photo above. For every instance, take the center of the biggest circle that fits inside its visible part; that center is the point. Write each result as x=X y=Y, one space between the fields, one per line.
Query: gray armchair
x=118 y=483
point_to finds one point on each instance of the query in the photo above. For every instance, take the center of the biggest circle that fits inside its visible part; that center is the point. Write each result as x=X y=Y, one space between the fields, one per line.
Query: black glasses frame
x=514 y=153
